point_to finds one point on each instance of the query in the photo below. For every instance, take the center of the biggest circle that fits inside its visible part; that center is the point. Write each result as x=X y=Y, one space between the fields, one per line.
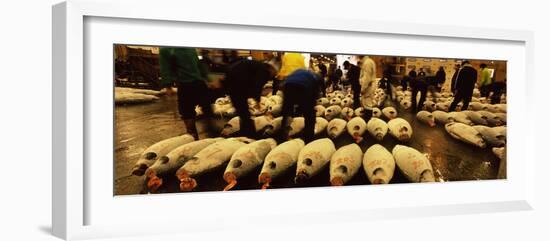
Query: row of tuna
x=468 y=126
x=125 y=95
x=356 y=127
x=188 y=159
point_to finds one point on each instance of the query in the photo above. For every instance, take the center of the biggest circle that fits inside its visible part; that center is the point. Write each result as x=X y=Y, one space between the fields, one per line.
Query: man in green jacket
x=485 y=81
x=181 y=66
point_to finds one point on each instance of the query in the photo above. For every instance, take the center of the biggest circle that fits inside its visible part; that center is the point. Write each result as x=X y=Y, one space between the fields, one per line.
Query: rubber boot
x=191 y=128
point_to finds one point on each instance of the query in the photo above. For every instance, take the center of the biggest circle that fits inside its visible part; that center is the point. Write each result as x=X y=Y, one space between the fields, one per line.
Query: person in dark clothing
x=465 y=83
x=409 y=78
x=418 y=84
x=245 y=79
x=335 y=78
x=498 y=88
x=453 y=79
x=353 y=79
x=323 y=72
x=385 y=82
x=182 y=67
x=301 y=88
x=440 y=77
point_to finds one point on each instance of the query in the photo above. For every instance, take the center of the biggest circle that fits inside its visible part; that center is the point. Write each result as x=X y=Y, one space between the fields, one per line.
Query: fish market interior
x=205 y=119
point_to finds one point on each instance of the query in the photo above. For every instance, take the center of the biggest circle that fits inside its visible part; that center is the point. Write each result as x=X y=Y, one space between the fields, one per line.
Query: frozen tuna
x=279 y=160
x=208 y=159
x=465 y=133
x=491 y=118
x=426 y=118
x=336 y=127
x=491 y=136
x=346 y=102
x=319 y=110
x=344 y=164
x=389 y=112
x=261 y=123
x=476 y=118
x=356 y=128
x=323 y=101
x=335 y=101
x=413 y=164
x=231 y=127
x=320 y=125
x=443 y=106
x=168 y=165
x=405 y=104
x=155 y=151
x=379 y=164
x=246 y=159
x=376 y=112
x=273 y=126
x=429 y=105
x=313 y=158
x=274 y=110
x=347 y=113
x=296 y=126
x=460 y=117
x=441 y=117
x=359 y=111
x=332 y=112
x=400 y=129
x=377 y=128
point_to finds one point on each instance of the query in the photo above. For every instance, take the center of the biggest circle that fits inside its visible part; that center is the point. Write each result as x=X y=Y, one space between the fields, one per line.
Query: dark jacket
x=353 y=74
x=440 y=77
x=466 y=79
x=247 y=78
x=307 y=79
x=453 y=80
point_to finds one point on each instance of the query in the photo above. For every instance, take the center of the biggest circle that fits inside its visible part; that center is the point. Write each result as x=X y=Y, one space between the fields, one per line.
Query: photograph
x=196 y=119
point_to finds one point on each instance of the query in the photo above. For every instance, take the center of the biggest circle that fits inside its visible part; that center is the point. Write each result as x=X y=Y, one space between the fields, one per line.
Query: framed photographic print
x=164 y=115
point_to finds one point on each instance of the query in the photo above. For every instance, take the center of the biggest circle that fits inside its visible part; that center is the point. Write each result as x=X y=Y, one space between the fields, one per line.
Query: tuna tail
x=337 y=181
x=264 y=178
x=154 y=182
x=231 y=179
x=187 y=183
x=301 y=177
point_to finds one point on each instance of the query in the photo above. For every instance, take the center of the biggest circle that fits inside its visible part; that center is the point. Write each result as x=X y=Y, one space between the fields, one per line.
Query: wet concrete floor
x=139 y=126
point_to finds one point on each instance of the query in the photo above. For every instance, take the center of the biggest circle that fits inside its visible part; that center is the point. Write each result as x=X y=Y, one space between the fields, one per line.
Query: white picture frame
x=73 y=195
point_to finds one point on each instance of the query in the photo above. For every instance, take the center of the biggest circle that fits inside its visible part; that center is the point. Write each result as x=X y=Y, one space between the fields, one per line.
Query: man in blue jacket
x=301 y=88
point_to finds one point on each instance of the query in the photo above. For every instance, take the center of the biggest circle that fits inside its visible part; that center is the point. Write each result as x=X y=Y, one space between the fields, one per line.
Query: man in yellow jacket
x=289 y=63
x=485 y=81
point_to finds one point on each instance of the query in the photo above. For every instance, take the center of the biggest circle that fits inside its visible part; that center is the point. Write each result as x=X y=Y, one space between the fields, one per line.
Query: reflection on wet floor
x=139 y=126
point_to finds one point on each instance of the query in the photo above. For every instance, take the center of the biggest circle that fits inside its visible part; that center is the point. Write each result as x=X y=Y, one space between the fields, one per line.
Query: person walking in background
x=465 y=84
x=498 y=88
x=323 y=73
x=455 y=76
x=246 y=79
x=301 y=88
x=353 y=75
x=181 y=66
x=440 y=78
x=409 y=78
x=385 y=83
x=368 y=86
x=485 y=81
x=336 y=78
x=290 y=62
x=419 y=84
